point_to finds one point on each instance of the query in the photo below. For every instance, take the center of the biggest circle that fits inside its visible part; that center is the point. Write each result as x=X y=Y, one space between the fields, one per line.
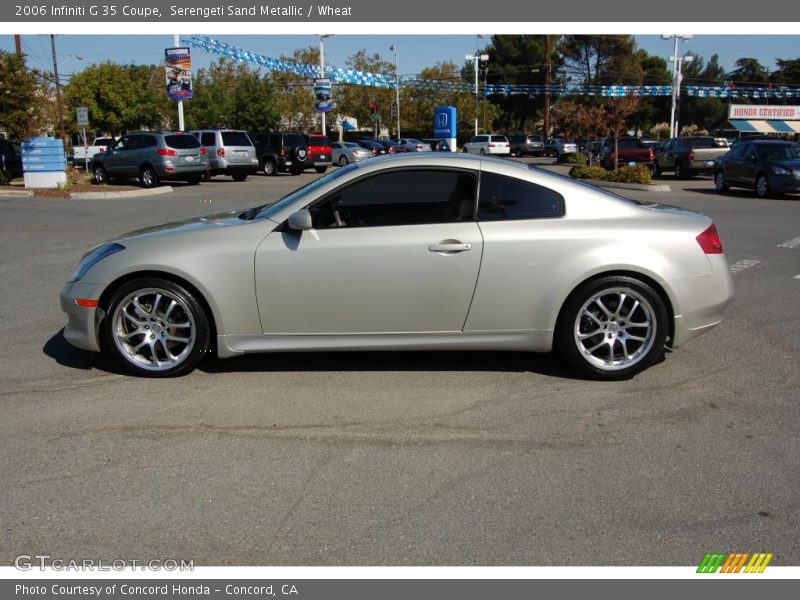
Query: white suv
x=488 y=144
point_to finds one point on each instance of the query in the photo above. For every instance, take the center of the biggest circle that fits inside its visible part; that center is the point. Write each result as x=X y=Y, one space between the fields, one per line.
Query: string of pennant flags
x=348 y=76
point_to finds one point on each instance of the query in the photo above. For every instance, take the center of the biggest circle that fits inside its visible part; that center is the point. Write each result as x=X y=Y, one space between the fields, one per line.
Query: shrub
x=572 y=159
x=637 y=174
x=5 y=177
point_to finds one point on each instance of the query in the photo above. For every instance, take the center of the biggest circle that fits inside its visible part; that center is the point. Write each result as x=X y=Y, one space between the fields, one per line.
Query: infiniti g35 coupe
x=421 y=251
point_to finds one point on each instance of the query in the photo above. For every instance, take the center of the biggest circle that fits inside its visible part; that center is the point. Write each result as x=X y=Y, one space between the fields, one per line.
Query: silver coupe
x=424 y=251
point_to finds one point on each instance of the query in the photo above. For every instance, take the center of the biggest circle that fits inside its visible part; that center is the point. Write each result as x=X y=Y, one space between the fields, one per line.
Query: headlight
x=91 y=258
x=781 y=171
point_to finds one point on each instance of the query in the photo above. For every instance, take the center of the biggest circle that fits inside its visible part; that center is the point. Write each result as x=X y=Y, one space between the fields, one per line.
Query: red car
x=320 y=154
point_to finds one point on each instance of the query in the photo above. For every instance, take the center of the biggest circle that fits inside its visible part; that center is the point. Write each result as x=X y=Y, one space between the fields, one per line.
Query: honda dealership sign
x=764 y=111
x=444 y=124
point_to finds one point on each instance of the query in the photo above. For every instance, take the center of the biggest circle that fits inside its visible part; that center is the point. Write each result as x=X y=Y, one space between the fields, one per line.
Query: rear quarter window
x=507 y=198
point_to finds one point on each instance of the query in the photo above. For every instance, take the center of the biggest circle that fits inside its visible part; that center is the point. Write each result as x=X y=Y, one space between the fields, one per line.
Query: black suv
x=10 y=158
x=281 y=152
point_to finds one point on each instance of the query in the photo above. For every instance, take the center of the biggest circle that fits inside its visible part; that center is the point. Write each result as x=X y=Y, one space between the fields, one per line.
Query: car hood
x=790 y=164
x=223 y=219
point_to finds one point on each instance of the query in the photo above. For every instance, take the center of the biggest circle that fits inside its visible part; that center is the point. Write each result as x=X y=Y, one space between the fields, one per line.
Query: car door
x=732 y=165
x=393 y=252
x=749 y=165
x=116 y=163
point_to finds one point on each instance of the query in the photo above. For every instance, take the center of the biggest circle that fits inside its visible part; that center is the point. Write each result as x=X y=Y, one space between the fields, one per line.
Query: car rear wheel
x=612 y=328
x=270 y=168
x=720 y=183
x=518 y=153
x=679 y=174
x=148 y=177
x=762 y=187
x=320 y=169
x=343 y=161
x=156 y=328
x=239 y=176
x=100 y=174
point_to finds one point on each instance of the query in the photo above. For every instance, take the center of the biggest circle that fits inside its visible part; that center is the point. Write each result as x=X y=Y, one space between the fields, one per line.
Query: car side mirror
x=300 y=220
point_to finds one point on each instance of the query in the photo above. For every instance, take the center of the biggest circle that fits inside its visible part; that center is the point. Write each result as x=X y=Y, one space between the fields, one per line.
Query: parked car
x=10 y=158
x=320 y=155
x=412 y=145
x=230 y=152
x=487 y=254
x=488 y=144
x=689 y=155
x=80 y=154
x=152 y=157
x=374 y=146
x=521 y=145
x=656 y=145
x=348 y=152
x=630 y=151
x=390 y=146
x=563 y=147
x=279 y=152
x=438 y=145
x=768 y=167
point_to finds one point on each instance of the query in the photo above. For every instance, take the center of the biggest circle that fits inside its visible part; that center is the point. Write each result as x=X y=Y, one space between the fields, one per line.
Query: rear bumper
x=701 y=166
x=699 y=302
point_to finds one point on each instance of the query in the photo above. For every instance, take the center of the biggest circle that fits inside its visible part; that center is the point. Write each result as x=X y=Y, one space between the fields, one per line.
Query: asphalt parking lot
x=398 y=458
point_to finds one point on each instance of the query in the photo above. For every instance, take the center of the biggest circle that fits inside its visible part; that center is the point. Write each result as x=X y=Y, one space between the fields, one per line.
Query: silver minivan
x=230 y=152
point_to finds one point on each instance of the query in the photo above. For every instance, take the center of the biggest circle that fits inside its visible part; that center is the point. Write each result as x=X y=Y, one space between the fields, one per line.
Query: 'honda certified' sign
x=764 y=111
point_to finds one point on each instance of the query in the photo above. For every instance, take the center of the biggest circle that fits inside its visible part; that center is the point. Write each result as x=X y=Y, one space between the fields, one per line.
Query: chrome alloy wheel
x=154 y=329
x=615 y=328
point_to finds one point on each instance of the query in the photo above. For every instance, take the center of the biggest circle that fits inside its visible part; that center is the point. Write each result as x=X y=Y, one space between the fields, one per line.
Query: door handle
x=449 y=247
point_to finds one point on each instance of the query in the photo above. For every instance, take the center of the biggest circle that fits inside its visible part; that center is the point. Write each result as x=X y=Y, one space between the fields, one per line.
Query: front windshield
x=267 y=210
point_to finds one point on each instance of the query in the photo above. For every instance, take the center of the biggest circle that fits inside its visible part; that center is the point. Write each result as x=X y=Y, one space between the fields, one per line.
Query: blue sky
x=415 y=51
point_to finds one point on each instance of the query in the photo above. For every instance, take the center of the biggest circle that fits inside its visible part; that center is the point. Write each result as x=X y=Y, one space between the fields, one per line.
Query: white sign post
x=82 y=119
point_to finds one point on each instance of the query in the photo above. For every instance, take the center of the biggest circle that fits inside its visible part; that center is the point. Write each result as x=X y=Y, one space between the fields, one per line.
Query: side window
x=124 y=143
x=148 y=141
x=407 y=197
x=208 y=138
x=508 y=198
x=749 y=152
x=736 y=151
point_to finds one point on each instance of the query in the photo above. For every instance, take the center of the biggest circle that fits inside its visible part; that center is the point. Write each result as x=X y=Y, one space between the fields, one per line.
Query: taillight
x=392 y=150
x=101 y=149
x=374 y=152
x=652 y=156
x=491 y=145
x=166 y=152
x=202 y=150
x=221 y=152
x=709 y=241
x=690 y=156
x=282 y=153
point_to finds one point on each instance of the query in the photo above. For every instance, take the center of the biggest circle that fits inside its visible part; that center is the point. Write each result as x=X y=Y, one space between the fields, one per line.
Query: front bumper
x=783 y=183
x=83 y=324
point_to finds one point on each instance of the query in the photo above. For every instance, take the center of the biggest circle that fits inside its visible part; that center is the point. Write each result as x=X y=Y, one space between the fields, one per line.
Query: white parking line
x=742 y=265
x=790 y=244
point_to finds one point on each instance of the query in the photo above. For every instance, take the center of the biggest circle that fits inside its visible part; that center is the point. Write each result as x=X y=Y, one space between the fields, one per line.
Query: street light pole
x=322 y=71
x=477 y=58
x=548 y=76
x=676 y=79
x=176 y=41
x=397 y=88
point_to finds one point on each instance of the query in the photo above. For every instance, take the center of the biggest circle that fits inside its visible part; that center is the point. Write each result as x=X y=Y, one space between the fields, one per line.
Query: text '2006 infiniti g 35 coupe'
x=414 y=252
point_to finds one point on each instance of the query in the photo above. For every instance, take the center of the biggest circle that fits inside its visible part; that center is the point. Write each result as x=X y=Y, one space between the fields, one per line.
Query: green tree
x=706 y=113
x=23 y=98
x=232 y=95
x=119 y=97
x=652 y=109
x=601 y=59
x=355 y=100
x=294 y=95
x=748 y=71
x=417 y=104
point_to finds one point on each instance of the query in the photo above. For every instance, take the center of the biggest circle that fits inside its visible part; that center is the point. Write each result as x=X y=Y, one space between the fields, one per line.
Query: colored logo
x=735 y=562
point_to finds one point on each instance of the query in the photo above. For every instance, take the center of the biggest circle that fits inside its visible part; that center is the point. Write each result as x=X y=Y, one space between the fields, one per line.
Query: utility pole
x=58 y=88
x=18 y=43
x=477 y=58
x=548 y=77
x=322 y=71
x=397 y=88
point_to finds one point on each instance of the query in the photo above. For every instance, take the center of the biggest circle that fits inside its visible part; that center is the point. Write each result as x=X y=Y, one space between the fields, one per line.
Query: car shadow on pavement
x=68 y=355
x=515 y=362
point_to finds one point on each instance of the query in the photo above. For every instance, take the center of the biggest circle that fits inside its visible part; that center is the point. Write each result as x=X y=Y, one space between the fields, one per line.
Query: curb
x=15 y=193
x=123 y=194
x=641 y=187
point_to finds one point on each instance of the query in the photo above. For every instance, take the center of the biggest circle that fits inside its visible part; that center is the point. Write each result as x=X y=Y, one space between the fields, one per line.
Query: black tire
x=239 y=176
x=270 y=167
x=148 y=177
x=465 y=150
x=100 y=174
x=343 y=161
x=320 y=169
x=762 y=186
x=679 y=174
x=194 y=180
x=656 y=169
x=156 y=334
x=720 y=183
x=518 y=153
x=611 y=330
x=483 y=153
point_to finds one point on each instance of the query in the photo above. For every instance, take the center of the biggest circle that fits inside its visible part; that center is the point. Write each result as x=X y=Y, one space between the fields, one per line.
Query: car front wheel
x=156 y=328
x=719 y=182
x=100 y=174
x=612 y=328
x=762 y=187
